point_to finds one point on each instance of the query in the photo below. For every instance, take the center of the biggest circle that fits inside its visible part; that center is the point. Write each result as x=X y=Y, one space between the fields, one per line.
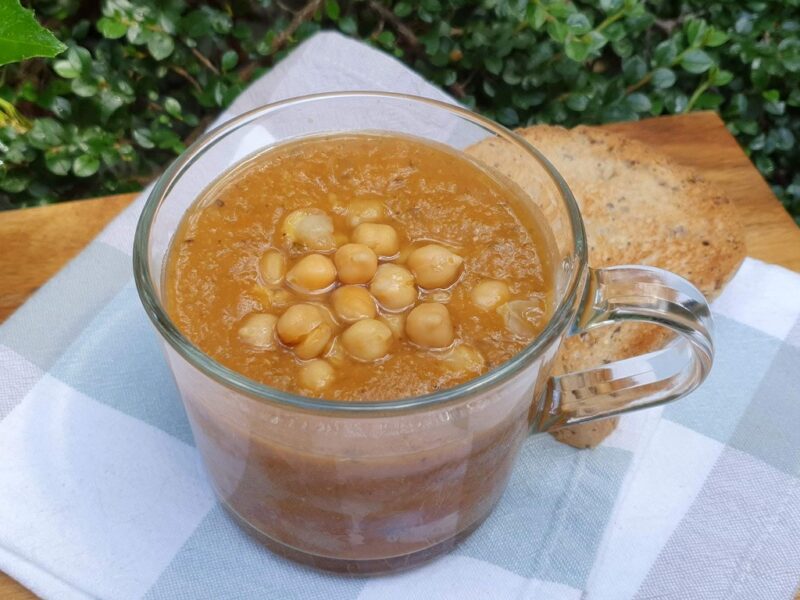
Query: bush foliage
x=141 y=78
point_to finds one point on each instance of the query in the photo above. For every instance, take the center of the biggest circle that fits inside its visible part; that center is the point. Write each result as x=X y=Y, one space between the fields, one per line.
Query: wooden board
x=37 y=242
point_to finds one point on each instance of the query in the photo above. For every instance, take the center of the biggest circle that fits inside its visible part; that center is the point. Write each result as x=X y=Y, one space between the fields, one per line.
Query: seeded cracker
x=639 y=207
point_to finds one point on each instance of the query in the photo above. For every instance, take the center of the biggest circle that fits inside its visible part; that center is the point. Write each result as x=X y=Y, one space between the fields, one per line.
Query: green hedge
x=141 y=78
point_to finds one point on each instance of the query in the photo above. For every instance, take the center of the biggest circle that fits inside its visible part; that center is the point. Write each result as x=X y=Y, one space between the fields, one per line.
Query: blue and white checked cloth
x=102 y=493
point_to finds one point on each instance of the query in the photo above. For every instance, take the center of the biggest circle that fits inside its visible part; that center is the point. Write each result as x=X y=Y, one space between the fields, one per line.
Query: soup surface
x=360 y=267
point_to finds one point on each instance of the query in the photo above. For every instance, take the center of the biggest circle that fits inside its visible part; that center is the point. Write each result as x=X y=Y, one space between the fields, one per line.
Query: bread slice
x=639 y=207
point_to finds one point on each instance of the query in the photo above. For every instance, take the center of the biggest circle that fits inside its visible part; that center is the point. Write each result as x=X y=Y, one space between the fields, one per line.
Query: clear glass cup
x=376 y=487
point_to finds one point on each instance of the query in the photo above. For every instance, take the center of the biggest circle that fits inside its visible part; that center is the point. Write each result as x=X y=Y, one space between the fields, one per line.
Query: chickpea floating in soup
x=360 y=267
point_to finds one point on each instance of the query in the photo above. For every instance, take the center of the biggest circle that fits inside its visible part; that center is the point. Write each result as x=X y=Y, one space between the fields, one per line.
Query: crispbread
x=639 y=207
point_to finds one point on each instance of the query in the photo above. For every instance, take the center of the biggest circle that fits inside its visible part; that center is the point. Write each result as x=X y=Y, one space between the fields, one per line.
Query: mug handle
x=634 y=293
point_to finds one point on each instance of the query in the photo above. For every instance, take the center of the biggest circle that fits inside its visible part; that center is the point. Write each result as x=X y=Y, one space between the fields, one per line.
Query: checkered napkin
x=102 y=493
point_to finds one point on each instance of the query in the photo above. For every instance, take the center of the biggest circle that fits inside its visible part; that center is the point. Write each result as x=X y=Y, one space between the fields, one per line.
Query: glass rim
x=262 y=392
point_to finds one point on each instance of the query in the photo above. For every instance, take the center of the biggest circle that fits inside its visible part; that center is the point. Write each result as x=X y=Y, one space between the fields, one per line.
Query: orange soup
x=360 y=267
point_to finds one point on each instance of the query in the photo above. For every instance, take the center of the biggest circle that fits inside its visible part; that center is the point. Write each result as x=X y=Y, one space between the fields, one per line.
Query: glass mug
x=380 y=486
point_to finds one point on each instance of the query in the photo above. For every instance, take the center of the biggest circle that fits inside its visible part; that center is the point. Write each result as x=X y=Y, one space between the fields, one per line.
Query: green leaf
x=658 y=106
x=386 y=38
x=508 y=116
x=610 y=6
x=142 y=137
x=14 y=184
x=57 y=163
x=348 y=25
x=677 y=103
x=219 y=91
x=744 y=24
x=634 y=69
x=708 y=101
x=85 y=165
x=639 y=102
x=46 y=133
x=623 y=47
x=229 y=60
x=403 y=9
x=160 y=45
x=83 y=88
x=578 y=23
x=110 y=101
x=560 y=10
x=696 y=61
x=111 y=28
x=537 y=16
x=720 y=77
x=595 y=41
x=494 y=64
x=765 y=164
x=749 y=127
x=557 y=31
x=60 y=107
x=775 y=108
x=511 y=77
x=576 y=50
x=578 y=102
x=332 y=9
x=172 y=106
x=80 y=59
x=695 y=29
x=22 y=37
x=791 y=26
x=758 y=142
x=663 y=78
x=65 y=69
x=665 y=53
x=715 y=37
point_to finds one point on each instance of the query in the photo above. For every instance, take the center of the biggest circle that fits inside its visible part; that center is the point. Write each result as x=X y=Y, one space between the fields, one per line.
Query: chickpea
x=440 y=296
x=352 y=303
x=297 y=322
x=489 y=294
x=258 y=330
x=340 y=238
x=325 y=311
x=272 y=267
x=435 y=266
x=365 y=211
x=397 y=323
x=310 y=228
x=381 y=238
x=367 y=340
x=312 y=273
x=464 y=359
x=394 y=287
x=402 y=257
x=316 y=375
x=336 y=355
x=315 y=342
x=304 y=327
x=356 y=263
x=524 y=318
x=273 y=298
x=429 y=325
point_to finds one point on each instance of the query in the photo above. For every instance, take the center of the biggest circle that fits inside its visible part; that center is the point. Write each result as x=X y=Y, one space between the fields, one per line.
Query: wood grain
x=700 y=140
x=37 y=242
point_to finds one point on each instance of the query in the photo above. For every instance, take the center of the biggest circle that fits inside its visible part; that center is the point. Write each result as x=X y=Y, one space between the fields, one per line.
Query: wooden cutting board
x=37 y=242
